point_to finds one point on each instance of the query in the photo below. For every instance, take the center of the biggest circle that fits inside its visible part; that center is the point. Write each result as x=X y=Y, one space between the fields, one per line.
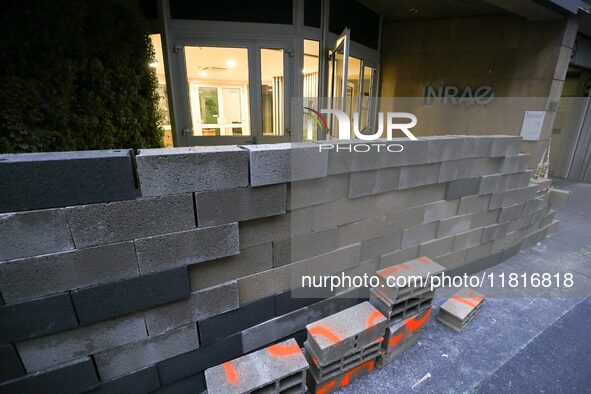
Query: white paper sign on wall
x=532 y=125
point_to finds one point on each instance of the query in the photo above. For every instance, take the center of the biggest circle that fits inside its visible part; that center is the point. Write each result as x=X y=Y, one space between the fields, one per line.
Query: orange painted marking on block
x=424 y=260
x=390 y=270
x=371 y=319
x=315 y=361
x=379 y=340
x=413 y=324
x=467 y=301
x=231 y=374
x=395 y=339
x=347 y=378
x=325 y=388
x=404 y=266
x=283 y=350
x=325 y=332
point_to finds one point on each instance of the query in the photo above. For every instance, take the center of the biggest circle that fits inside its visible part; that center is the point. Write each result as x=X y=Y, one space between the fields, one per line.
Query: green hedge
x=75 y=76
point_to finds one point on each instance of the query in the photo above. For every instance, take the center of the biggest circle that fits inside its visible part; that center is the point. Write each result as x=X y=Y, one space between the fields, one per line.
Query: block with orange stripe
x=460 y=308
x=417 y=302
x=342 y=379
x=274 y=369
x=345 y=332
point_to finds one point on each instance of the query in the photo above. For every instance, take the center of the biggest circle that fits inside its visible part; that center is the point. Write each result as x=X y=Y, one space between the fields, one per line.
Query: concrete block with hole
x=460 y=308
x=558 y=198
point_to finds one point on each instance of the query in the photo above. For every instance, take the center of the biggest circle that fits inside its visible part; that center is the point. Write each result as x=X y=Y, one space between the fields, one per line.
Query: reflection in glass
x=272 y=91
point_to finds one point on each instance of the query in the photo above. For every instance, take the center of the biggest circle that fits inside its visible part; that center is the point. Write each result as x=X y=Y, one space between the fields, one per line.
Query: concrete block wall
x=107 y=285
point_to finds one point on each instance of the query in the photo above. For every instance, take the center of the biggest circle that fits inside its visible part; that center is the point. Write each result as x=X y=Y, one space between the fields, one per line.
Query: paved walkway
x=522 y=340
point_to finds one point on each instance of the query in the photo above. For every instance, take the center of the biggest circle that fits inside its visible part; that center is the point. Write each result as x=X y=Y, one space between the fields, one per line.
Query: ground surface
x=522 y=340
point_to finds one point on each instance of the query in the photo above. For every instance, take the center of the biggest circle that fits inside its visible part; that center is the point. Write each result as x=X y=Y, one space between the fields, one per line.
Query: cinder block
x=440 y=210
x=511 y=251
x=468 y=238
x=462 y=187
x=288 y=162
x=33 y=277
x=261 y=231
x=378 y=181
x=454 y=225
x=291 y=300
x=162 y=252
x=400 y=333
x=363 y=230
x=477 y=265
x=477 y=146
x=336 y=213
x=317 y=191
x=504 y=145
x=421 y=151
x=419 y=175
x=103 y=302
x=531 y=206
x=192 y=384
x=436 y=247
x=42 y=316
x=343 y=333
x=29 y=180
x=447 y=147
x=399 y=256
x=342 y=380
x=511 y=197
x=376 y=247
x=236 y=205
x=458 y=310
x=548 y=218
x=192 y=169
x=73 y=377
x=98 y=224
x=31 y=233
x=387 y=358
x=50 y=350
x=543 y=183
x=504 y=242
x=494 y=231
x=388 y=203
x=513 y=164
x=478 y=251
x=497 y=183
x=406 y=218
x=273 y=369
x=250 y=261
x=473 y=204
x=558 y=198
x=201 y=305
x=467 y=168
x=484 y=218
x=332 y=305
x=217 y=327
x=198 y=360
x=418 y=234
x=453 y=259
x=302 y=247
x=131 y=357
x=511 y=212
x=143 y=381
x=274 y=329
x=10 y=363
x=343 y=158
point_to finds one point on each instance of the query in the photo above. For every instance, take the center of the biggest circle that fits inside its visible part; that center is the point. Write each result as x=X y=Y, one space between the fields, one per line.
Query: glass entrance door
x=339 y=87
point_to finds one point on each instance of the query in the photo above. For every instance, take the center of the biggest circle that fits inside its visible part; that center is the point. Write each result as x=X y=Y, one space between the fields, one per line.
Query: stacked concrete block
x=279 y=368
x=339 y=345
x=458 y=310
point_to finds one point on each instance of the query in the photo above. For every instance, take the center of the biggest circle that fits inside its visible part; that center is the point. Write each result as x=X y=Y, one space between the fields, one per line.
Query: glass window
x=218 y=90
x=272 y=91
x=158 y=67
x=310 y=91
x=367 y=99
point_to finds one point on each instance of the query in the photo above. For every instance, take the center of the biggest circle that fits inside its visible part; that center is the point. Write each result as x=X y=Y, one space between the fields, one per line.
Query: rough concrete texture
x=274 y=368
x=162 y=252
x=462 y=303
x=28 y=278
x=366 y=183
x=30 y=233
x=408 y=305
x=420 y=175
x=136 y=355
x=274 y=329
x=558 y=197
x=289 y=162
x=260 y=231
x=472 y=204
x=317 y=191
x=236 y=205
x=387 y=358
x=342 y=380
x=398 y=334
x=454 y=225
x=335 y=336
x=399 y=275
x=513 y=164
x=462 y=187
x=98 y=224
x=194 y=169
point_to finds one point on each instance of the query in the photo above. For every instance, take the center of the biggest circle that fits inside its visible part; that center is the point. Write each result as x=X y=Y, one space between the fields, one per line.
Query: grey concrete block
x=454 y=225
x=39 y=317
x=453 y=259
x=548 y=218
x=191 y=384
x=419 y=175
x=202 y=304
x=497 y=182
x=251 y=260
x=191 y=169
x=366 y=183
x=458 y=310
x=399 y=256
x=446 y=147
x=29 y=180
x=332 y=305
x=343 y=158
x=468 y=238
x=162 y=252
x=31 y=233
x=473 y=204
x=462 y=187
x=418 y=234
x=317 y=191
x=363 y=230
x=467 y=168
x=335 y=214
x=389 y=203
x=236 y=205
x=263 y=284
x=436 y=247
x=477 y=146
x=406 y=218
x=478 y=251
x=105 y=223
x=50 y=350
x=33 y=277
x=440 y=210
x=288 y=162
x=376 y=247
x=301 y=247
x=513 y=164
x=511 y=197
x=10 y=363
x=484 y=218
x=143 y=381
x=274 y=369
x=543 y=183
x=261 y=231
x=131 y=357
x=558 y=198
x=505 y=242
x=511 y=212
x=505 y=145
x=73 y=377
x=274 y=329
x=532 y=206
x=114 y=299
x=494 y=231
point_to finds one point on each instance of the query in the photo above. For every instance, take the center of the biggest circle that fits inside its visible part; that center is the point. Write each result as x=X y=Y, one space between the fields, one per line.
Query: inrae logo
x=344 y=126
